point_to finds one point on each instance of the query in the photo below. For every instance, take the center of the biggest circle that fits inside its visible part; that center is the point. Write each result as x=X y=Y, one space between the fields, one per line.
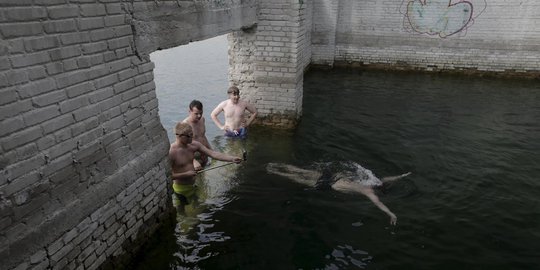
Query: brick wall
x=494 y=36
x=83 y=167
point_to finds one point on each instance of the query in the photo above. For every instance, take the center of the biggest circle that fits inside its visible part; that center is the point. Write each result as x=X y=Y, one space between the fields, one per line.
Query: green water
x=471 y=203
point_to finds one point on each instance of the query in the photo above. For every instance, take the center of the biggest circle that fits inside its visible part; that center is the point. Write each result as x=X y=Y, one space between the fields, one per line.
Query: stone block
x=102 y=34
x=14 y=30
x=94 y=47
x=62 y=12
x=91 y=23
x=92 y=10
x=22 y=137
x=49 y=98
x=40 y=115
x=11 y=125
x=86 y=112
x=65 y=52
x=114 y=20
x=60 y=26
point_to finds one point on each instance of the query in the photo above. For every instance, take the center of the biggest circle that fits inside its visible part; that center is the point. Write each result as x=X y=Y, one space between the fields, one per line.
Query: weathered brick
x=62 y=162
x=88 y=61
x=21 y=183
x=11 y=125
x=75 y=38
x=102 y=34
x=81 y=127
x=115 y=8
x=86 y=112
x=70 y=78
x=22 y=137
x=114 y=20
x=8 y=95
x=106 y=81
x=57 y=123
x=65 y=52
x=61 y=149
x=124 y=30
x=49 y=98
x=79 y=89
x=60 y=26
x=11 y=3
x=36 y=88
x=91 y=23
x=94 y=47
x=56 y=257
x=92 y=10
x=17 y=76
x=31 y=206
x=73 y=103
x=119 y=42
x=41 y=43
x=39 y=115
x=25 y=13
x=13 y=30
x=54 y=68
x=101 y=94
x=36 y=73
x=62 y=12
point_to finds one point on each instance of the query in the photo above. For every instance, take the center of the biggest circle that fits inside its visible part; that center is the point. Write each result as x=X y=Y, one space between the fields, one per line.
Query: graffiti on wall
x=441 y=18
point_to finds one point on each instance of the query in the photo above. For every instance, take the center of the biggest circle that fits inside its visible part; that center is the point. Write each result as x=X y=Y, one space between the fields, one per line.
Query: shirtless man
x=352 y=179
x=181 y=155
x=234 y=109
x=197 y=123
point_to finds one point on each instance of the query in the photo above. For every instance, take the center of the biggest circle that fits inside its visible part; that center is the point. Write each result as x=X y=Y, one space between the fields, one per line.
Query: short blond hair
x=182 y=128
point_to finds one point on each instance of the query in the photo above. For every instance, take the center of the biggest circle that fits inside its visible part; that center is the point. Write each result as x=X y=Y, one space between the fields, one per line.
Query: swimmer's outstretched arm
x=375 y=199
x=394 y=178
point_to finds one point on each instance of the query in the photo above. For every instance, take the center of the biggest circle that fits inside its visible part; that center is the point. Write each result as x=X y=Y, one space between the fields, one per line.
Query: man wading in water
x=350 y=178
x=233 y=110
x=181 y=155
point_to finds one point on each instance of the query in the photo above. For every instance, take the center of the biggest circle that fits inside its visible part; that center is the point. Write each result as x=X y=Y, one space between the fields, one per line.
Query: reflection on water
x=471 y=143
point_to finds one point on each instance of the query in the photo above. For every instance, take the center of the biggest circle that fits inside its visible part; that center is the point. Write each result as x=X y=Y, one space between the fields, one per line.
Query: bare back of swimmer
x=350 y=178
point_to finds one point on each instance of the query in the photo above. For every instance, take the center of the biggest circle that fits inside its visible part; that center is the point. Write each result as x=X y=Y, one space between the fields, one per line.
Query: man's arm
x=216 y=155
x=250 y=108
x=215 y=114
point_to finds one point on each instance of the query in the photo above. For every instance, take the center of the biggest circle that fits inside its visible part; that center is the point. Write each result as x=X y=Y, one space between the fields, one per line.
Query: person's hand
x=197 y=165
x=237 y=160
x=191 y=173
x=393 y=218
x=225 y=127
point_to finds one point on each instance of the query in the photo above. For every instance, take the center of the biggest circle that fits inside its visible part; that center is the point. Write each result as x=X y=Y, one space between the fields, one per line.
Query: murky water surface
x=472 y=144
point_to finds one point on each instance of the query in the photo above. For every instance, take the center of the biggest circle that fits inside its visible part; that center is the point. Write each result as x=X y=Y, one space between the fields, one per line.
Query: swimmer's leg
x=347 y=186
x=394 y=178
x=299 y=175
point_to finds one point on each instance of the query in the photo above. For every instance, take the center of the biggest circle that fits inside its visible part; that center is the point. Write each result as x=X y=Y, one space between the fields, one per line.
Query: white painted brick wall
x=501 y=36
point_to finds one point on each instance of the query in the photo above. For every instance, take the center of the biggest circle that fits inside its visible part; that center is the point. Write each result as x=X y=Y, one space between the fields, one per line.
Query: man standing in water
x=181 y=155
x=349 y=178
x=197 y=122
x=233 y=110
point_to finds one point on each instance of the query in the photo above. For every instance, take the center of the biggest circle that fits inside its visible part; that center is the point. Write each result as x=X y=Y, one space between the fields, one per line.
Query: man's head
x=234 y=93
x=195 y=110
x=183 y=131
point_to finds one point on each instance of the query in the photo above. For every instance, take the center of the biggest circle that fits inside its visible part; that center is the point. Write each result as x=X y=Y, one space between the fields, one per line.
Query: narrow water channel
x=471 y=202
